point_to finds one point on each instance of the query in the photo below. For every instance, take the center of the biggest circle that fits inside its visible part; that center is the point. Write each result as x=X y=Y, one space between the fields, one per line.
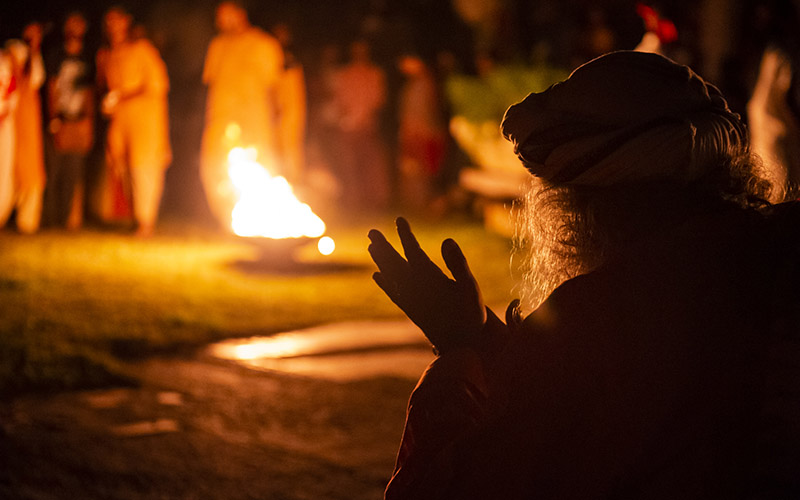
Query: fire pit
x=268 y=213
x=279 y=248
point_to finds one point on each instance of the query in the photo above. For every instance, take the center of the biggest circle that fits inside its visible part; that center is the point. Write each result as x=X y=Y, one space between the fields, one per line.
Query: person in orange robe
x=292 y=109
x=29 y=174
x=8 y=105
x=243 y=66
x=137 y=143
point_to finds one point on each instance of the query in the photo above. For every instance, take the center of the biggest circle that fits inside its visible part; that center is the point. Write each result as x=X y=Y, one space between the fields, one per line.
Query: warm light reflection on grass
x=70 y=302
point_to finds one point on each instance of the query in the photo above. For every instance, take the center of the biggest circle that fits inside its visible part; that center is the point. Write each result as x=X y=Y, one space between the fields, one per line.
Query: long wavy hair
x=563 y=231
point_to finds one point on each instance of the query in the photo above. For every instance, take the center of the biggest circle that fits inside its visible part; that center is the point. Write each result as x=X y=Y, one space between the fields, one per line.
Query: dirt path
x=202 y=428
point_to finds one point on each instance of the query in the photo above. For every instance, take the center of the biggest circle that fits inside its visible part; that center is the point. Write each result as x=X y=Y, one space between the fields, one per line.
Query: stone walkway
x=307 y=414
x=340 y=351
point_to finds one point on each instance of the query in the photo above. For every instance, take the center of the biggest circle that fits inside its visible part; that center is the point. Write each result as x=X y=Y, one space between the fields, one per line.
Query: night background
x=716 y=37
x=199 y=364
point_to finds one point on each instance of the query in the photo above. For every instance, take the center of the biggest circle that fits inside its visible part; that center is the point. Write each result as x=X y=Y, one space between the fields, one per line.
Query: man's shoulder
x=260 y=36
x=141 y=46
x=787 y=212
x=784 y=227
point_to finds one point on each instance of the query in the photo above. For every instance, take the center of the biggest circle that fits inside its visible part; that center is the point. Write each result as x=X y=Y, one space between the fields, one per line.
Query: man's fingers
x=456 y=262
x=386 y=257
x=414 y=253
x=384 y=285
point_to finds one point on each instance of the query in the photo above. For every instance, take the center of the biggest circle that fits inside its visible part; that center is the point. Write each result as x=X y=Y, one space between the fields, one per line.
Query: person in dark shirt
x=70 y=108
x=662 y=356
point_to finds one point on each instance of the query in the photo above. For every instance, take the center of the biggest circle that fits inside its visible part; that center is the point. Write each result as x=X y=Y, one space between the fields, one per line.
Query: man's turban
x=624 y=117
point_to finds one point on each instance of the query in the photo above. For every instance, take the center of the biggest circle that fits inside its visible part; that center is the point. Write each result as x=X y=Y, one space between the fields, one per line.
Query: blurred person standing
x=322 y=108
x=243 y=68
x=422 y=133
x=109 y=198
x=29 y=174
x=70 y=108
x=8 y=105
x=773 y=109
x=321 y=151
x=292 y=108
x=137 y=143
x=360 y=97
x=770 y=116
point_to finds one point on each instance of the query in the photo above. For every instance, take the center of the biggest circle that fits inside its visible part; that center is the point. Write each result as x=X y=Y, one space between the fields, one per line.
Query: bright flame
x=267 y=206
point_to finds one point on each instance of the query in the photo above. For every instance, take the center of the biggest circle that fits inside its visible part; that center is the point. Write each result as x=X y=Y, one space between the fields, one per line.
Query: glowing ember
x=267 y=206
x=326 y=245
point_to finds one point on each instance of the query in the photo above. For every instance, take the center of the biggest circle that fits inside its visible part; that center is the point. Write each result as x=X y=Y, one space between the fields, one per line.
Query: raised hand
x=450 y=312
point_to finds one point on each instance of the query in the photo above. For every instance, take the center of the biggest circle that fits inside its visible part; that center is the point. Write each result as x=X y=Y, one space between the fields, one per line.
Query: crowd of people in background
x=86 y=132
x=128 y=80
x=66 y=104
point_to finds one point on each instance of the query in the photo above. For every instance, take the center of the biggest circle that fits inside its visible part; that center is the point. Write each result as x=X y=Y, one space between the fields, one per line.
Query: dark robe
x=672 y=371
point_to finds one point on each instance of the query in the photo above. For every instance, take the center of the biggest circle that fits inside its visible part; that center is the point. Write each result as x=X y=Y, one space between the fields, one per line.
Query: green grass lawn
x=73 y=305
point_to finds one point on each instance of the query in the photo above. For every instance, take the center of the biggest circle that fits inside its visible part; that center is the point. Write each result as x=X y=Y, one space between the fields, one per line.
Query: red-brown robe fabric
x=673 y=371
